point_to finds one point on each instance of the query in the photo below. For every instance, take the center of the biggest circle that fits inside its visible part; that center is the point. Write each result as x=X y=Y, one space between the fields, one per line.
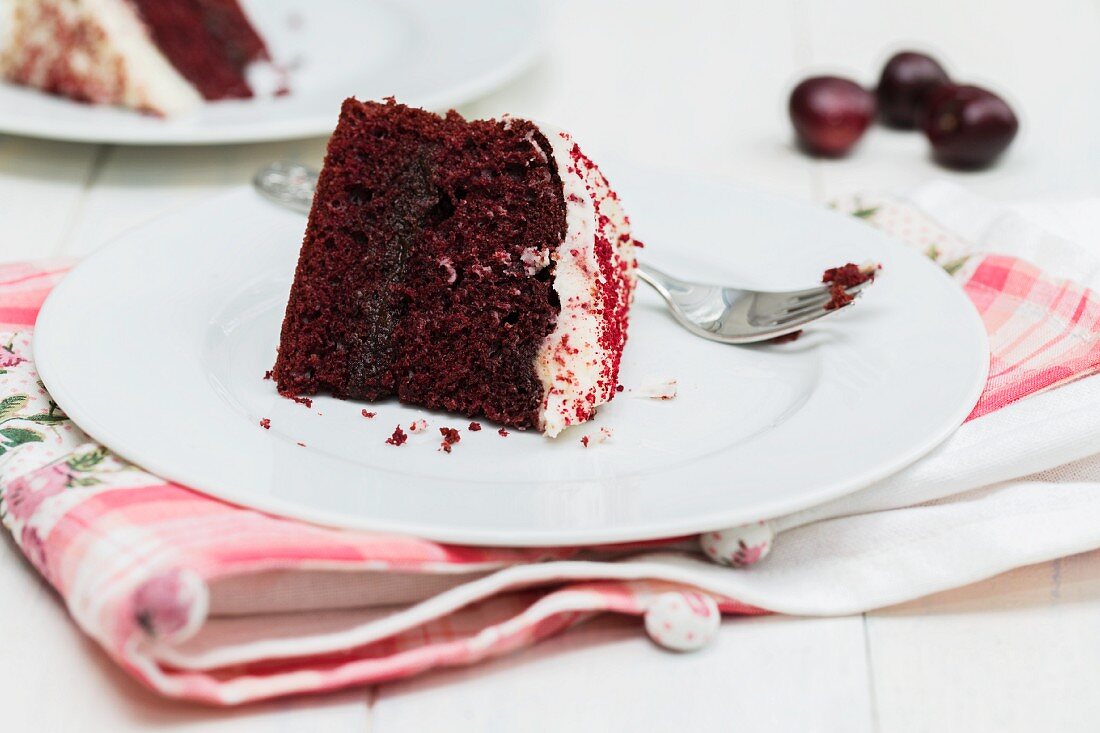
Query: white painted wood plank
x=1015 y=653
x=54 y=679
x=774 y=674
x=1040 y=56
x=42 y=186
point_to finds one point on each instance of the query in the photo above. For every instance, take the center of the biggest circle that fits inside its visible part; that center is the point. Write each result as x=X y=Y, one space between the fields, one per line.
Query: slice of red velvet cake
x=159 y=56
x=482 y=267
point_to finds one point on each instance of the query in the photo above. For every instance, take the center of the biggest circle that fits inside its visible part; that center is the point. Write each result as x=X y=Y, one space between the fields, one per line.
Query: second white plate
x=427 y=53
x=181 y=319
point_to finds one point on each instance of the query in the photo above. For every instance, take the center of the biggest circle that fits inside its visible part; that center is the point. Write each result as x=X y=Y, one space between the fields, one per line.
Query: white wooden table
x=697 y=86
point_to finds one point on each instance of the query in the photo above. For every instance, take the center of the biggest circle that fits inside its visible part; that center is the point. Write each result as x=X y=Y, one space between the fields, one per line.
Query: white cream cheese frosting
x=594 y=276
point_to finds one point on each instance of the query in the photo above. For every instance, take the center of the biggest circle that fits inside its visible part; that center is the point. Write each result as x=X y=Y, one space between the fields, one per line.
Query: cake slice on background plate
x=158 y=56
x=482 y=267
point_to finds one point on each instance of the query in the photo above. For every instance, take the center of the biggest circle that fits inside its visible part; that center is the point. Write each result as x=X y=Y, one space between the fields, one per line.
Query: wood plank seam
x=99 y=162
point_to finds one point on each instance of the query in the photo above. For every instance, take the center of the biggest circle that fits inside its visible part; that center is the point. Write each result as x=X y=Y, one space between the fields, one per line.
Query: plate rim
x=514 y=538
x=275 y=130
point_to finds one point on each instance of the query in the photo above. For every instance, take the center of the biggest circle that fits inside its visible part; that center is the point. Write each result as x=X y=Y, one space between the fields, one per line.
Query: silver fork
x=730 y=315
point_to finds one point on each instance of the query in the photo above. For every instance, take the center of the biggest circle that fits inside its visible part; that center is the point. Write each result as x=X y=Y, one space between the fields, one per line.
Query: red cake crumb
x=303 y=401
x=787 y=337
x=367 y=414
x=503 y=433
x=619 y=388
x=839 y=298
x=398 y=438
x=840 y=279
x=450 y=437
x=265 y=424
x=418 y=426
x=475 y=426
x=268 y=374
x=300 y=443
x=847 y=275
x=584 y=440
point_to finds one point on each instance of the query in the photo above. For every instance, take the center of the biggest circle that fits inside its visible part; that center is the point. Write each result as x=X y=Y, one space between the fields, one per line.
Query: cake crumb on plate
x=657 y=388
x=450 y=437
x=398 y=438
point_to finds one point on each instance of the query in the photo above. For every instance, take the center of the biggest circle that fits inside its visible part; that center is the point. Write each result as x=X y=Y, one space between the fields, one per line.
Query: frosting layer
x=594 y=277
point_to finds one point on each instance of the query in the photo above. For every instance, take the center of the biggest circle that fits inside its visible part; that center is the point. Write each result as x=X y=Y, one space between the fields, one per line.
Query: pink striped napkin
x=206 y=601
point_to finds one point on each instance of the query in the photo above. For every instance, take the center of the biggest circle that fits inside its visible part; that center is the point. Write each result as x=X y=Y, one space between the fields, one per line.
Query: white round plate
x=157 y=346
x=427 y=53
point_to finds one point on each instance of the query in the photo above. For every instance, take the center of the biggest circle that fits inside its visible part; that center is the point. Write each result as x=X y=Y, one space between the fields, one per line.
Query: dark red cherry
x=968 y=126
x=830 y=114
x=906 y=80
